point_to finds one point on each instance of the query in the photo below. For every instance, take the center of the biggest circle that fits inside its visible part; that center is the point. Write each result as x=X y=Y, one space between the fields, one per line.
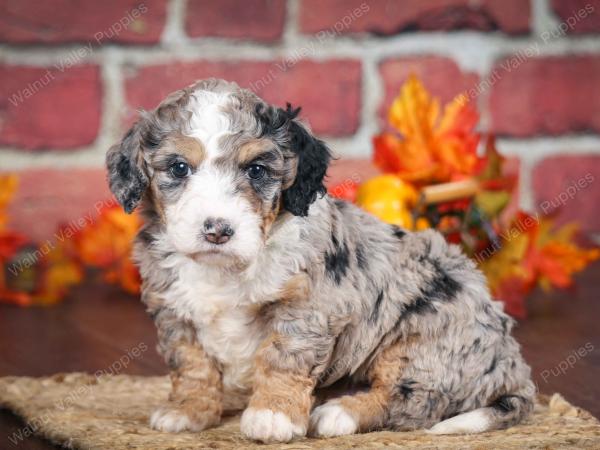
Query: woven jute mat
x=111 y=412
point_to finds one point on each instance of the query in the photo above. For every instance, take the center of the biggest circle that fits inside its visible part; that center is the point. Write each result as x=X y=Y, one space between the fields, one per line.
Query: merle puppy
x=264 y=289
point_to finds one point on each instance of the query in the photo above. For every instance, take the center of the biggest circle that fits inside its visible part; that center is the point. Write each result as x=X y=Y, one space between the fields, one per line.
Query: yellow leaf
x=507 y=262
x=414 y=112
x=492 y=202
x=61 y=273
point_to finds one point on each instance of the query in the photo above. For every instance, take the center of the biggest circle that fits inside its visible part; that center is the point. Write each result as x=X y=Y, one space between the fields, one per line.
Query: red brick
x=577 y=16
x=552 y=95
x=441 y=76
x=96 y=22
x=260 y=20
x=568 y=186
x=329 y=92
x=49 y=108
x=345 y=170
x=48 y=197
x=388 y=17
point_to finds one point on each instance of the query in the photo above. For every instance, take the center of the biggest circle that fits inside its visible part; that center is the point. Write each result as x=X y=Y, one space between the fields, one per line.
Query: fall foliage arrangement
x=43 y=274
x=432 y=176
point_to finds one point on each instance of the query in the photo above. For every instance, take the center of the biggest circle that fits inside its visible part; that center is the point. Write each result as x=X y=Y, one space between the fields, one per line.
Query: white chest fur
x=224 y=316
x=233 y=337
x=223 y=306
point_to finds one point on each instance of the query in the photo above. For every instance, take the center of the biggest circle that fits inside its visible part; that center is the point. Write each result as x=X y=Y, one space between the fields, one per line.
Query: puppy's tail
x=504 y=412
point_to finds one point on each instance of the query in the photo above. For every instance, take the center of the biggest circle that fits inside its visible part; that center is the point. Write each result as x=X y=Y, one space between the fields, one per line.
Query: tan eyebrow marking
x=251 y=150
x=190 y=148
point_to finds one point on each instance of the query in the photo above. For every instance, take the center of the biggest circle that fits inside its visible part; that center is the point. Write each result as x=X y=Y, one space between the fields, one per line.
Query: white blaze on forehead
x=208 y=122
x=210 y=191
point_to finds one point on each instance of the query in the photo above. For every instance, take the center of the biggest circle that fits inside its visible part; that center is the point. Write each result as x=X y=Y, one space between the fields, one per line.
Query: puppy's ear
x=127 y=172
x=312 y=161
x=126 y=176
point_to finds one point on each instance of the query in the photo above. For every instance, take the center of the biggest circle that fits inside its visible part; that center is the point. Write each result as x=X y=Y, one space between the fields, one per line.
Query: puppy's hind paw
x=174 y=420
x=331 y=419
x=266 y=425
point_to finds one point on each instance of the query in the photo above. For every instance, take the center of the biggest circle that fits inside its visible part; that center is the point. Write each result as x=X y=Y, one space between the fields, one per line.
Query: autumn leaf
x=8 y=187
x=490 y=172
x=61 y=272
x=496 y=188
x=345 y=190
x=536 y=255
x=414 y=113
x=492 y=203
x=557 y=258
x=403 y=158
x=107 y=243
x=509 y=277
x=456 y=140
x=10 y=243
x=108 y=239
x=493 y=162
x=126 y=275
x=387 y=154
x=430 y=148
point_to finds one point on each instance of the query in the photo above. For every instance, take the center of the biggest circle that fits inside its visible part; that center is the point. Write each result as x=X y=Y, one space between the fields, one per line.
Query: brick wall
x=73 y=74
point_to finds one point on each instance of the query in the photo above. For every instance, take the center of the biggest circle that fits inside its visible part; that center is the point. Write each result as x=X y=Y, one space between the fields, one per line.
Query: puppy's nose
x=217 y=231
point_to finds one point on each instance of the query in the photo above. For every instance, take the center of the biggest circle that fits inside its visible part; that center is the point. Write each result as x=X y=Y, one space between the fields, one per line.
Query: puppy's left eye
x=256 y=171
x=180 y=169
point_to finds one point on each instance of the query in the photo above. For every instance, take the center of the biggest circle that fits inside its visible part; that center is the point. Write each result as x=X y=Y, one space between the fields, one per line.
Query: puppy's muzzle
x=217 y=231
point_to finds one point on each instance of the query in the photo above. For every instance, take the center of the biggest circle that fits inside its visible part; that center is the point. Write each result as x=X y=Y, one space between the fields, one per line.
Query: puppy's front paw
x=331 y=419
x=266 y=425
x=175 y=420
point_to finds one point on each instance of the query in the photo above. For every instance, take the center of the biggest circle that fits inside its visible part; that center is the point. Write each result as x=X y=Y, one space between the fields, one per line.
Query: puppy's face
x=218 y=197
x=214 y=167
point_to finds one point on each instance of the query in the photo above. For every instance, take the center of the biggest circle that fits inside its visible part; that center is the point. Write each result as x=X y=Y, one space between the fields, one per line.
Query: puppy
x=264 y=289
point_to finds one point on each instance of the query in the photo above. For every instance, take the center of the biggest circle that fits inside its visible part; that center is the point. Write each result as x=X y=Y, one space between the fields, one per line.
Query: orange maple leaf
x=107 y=243
x=108 y=239
x=431 y=148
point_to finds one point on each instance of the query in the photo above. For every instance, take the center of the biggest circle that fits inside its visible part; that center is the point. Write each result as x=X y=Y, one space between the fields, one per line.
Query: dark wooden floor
x=98 y=325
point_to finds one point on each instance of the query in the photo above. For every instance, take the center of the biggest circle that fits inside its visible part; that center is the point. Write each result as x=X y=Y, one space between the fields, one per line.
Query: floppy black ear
x=313 y=159
x=126 y=177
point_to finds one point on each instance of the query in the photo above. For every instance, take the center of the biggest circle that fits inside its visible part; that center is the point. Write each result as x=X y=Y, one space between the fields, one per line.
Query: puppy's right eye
x=256 y=171
x=180 y=169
